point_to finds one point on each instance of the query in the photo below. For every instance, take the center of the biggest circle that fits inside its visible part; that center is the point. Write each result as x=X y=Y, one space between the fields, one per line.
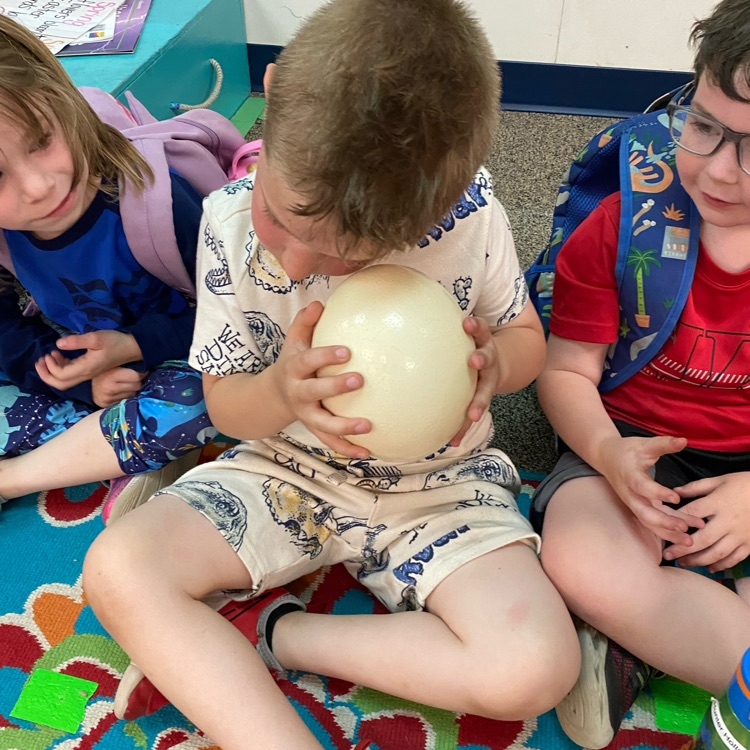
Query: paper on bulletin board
x=59 y=22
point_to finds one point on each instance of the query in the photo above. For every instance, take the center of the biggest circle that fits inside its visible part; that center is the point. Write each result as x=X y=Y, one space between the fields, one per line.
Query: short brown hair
x=380 y=112
x=36 y=92
x=723 y=47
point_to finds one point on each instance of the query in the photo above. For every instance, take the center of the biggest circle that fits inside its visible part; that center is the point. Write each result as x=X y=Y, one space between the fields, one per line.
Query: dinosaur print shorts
x=398 y=529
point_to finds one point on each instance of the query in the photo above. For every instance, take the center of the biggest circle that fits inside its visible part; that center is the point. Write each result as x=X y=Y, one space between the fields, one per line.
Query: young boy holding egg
x=359 y=167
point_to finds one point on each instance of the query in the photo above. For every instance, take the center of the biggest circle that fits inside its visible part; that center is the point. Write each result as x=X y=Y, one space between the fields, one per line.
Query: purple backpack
x=202 y=146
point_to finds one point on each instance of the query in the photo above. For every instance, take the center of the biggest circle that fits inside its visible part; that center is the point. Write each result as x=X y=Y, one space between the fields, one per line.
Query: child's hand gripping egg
x=405 y=334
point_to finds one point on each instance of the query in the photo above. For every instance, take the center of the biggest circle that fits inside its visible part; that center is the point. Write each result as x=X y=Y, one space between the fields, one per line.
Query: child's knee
x=98 y=570
x=524 y=696
x=113 y=571
x=521 y=681
x=556 y=667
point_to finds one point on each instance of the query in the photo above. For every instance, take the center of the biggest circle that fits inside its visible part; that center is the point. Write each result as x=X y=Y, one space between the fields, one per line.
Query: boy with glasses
x=700 y=133
x=655 y=475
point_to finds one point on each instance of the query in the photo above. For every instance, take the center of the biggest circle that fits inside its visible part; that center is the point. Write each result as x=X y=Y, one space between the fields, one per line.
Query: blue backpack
x=658 y=239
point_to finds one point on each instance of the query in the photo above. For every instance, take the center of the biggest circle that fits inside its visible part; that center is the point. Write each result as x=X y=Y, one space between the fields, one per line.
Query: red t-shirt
x=698 y=385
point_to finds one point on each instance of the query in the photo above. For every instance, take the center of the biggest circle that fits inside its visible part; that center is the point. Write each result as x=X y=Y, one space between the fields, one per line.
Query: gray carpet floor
x=530 y=154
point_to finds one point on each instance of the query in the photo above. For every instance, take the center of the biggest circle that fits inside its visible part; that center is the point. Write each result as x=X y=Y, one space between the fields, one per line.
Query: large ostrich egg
x=405 y=334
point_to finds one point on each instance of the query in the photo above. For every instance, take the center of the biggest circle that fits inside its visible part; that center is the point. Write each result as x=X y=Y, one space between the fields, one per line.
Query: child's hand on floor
x=626 y=464
x=303 y=391
x=725 y=539
x=104 y=351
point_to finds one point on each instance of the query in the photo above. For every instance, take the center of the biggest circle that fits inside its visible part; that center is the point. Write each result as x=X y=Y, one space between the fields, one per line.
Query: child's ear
x=268 y=77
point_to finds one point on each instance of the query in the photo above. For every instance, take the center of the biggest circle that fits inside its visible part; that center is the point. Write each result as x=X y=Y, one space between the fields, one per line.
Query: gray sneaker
x=611 y=679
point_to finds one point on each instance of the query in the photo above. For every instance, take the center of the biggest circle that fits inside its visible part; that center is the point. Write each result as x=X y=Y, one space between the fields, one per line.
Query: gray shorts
x=400 y=530
x=571 y=466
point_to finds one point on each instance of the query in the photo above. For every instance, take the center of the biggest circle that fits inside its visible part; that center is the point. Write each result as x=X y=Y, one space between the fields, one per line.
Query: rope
x=212 y=97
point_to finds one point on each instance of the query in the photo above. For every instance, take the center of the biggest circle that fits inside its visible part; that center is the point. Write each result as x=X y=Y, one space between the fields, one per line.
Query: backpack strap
x=593 y=175
x=657 y=243
x=244 y=159
x=657 y=249
x=148 y=222
x=198 y=145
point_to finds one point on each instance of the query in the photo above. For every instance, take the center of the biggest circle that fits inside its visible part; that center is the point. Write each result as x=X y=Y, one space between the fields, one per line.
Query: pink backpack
x=202 y=146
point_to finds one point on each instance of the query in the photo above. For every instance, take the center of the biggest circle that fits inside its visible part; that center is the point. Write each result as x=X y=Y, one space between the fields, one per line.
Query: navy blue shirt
x=88 y=280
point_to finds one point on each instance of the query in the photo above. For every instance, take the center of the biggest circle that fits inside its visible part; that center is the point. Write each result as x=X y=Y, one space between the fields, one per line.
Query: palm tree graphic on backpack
x=642 y=260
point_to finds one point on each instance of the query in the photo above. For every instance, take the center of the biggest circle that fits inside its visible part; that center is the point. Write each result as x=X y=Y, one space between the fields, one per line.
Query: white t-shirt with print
x=246 y=302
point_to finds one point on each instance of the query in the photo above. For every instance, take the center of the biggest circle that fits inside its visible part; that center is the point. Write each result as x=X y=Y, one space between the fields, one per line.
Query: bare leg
x=606 y=565
x=80 y=454
x=144 y=577
x=497 y=641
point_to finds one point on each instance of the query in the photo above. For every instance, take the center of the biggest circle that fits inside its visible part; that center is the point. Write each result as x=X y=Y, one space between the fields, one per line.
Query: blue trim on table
x=549 y=87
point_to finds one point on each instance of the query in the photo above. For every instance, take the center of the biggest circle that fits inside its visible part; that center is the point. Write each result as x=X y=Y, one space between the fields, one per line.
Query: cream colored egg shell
x=405 y=334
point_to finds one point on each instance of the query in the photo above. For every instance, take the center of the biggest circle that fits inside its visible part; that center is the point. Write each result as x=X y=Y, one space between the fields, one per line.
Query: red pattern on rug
x=45 y=623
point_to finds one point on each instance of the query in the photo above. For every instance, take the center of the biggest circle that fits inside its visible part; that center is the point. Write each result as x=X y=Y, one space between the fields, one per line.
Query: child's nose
x=36 y=183
x=299 y=263
x=723 y=165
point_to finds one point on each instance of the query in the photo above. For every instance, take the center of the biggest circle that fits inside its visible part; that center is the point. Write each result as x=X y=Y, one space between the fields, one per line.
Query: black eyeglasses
x=701 y=134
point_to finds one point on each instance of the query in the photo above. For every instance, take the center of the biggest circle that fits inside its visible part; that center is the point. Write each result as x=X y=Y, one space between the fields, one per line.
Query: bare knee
x=135 y=559
x=115 y=570
x=519 y=682
x=161 y=550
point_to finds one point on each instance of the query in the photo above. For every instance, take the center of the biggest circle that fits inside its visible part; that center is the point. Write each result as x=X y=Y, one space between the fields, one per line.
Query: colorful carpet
x=45 y=624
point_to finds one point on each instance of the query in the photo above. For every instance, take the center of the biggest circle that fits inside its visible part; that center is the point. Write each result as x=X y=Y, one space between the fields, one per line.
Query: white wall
x=649 y=34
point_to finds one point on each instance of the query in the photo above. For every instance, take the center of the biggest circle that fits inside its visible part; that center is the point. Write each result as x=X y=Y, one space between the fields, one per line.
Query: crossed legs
x=607 y=567
x=496 y=639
